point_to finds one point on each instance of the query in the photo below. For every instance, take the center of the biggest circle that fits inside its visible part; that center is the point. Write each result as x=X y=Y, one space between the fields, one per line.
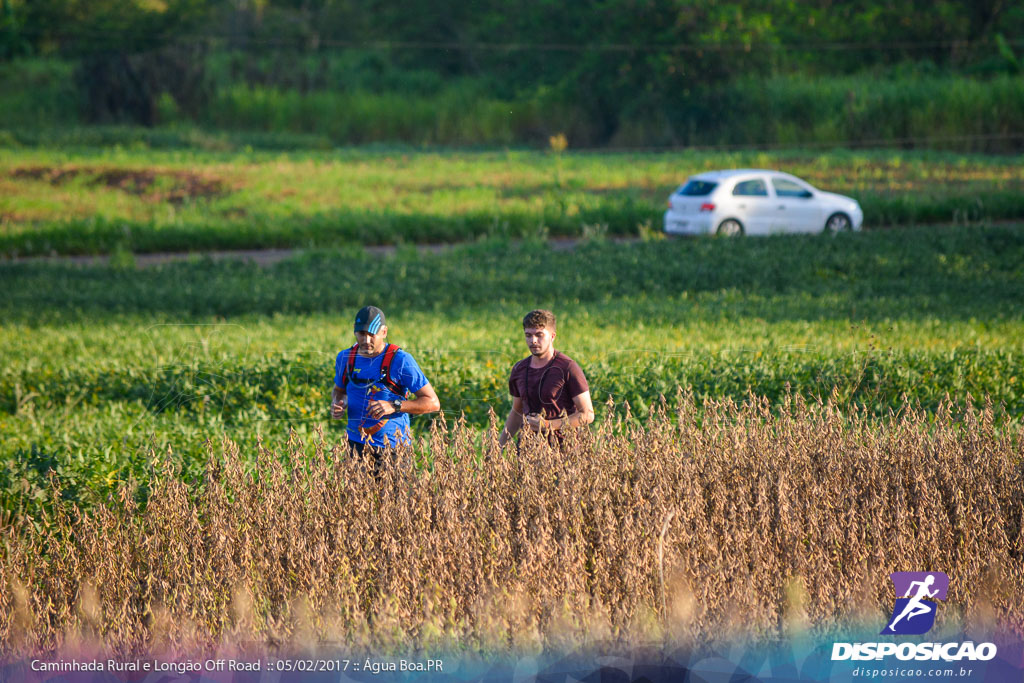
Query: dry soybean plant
x=705 y=521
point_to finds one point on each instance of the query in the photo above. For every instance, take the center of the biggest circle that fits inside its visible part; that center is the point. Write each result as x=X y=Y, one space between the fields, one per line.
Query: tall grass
x=724 y=520
x=452 y=117
x=346 y=101
x=933 y=112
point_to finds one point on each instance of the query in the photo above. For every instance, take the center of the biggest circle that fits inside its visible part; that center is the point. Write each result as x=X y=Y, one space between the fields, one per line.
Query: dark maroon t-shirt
x=550 y=389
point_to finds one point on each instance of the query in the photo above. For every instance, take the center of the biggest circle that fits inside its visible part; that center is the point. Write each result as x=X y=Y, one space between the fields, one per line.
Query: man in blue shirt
x=372 y=383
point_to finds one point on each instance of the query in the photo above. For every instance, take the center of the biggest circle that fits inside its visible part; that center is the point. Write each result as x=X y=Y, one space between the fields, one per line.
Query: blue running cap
x=369 y=319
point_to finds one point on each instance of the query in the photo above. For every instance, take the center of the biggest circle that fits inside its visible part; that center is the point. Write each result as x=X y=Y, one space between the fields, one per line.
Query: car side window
x=751 y=188
x=787 y=188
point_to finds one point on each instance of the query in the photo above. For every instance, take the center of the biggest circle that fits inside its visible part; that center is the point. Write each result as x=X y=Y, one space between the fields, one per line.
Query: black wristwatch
x=397 y=405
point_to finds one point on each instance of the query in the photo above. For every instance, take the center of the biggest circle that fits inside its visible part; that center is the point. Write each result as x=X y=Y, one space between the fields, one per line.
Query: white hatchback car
x=757 y=202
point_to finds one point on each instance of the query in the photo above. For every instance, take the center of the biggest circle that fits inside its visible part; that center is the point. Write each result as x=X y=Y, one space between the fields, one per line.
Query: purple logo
x=916 y=596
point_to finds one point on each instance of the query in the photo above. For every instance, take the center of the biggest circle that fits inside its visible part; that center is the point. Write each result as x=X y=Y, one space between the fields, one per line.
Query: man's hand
x=338 y=408
x=536 y=422
x=339 y=403
x=378 y=410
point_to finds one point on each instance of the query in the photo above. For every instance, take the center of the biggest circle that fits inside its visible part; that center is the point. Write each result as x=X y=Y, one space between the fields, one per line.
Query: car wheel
x=838 y=222
x=730 y=227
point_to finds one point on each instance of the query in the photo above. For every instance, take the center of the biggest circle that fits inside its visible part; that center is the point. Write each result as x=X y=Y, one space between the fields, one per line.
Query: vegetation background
x=770 y=411
x=622 y=73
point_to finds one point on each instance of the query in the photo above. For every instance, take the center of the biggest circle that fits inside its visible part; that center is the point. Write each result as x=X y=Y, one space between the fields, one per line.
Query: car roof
x=734 y=172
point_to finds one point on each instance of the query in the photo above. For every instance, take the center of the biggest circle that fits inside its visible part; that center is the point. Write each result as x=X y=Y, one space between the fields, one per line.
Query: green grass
x=98 y=200
x=107 y=367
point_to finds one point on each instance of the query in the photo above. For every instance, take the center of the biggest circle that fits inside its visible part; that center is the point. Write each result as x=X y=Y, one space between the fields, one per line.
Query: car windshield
x=697 y=188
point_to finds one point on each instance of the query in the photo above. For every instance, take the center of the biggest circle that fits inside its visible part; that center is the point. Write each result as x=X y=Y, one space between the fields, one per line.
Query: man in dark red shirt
x=549 y=392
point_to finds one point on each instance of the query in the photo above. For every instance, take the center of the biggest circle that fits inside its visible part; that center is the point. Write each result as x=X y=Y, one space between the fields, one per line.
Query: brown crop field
x=705 y=521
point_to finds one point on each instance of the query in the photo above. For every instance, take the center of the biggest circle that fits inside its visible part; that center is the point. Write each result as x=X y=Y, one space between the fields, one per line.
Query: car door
x=796 y=208
x=752 y=205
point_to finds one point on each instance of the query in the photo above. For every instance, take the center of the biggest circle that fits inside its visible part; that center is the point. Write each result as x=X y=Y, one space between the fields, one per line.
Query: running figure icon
x=915 y=607
x=916 y=602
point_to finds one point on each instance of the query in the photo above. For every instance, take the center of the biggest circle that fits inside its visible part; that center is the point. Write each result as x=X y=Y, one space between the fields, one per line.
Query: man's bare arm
x=513 y=423
x=426 y=401
x=584 y=415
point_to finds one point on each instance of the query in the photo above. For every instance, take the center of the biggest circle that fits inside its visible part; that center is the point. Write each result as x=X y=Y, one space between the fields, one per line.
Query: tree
x=129 y=52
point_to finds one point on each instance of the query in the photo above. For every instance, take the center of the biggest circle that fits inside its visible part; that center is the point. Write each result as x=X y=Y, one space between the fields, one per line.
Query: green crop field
x=180 y=411
x=101 y=200
x=109 y=367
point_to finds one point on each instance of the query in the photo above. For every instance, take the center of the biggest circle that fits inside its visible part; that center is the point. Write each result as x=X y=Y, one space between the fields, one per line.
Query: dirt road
x=261 y=257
